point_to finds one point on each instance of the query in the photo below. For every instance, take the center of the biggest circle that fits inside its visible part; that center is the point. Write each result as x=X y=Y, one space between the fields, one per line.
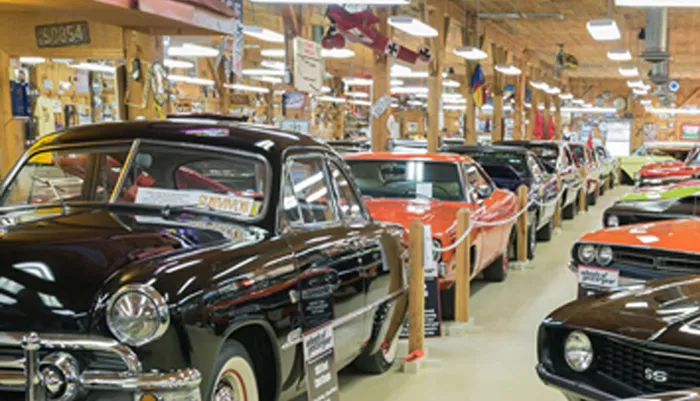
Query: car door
x=331 y=285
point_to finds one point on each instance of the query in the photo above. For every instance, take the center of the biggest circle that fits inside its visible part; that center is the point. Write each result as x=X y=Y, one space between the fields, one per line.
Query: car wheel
x=569 y=212
x=531 y=242
x=380 y=361
x=593 y=198
x=234 y=379
x=447 y=303
x=612 y=180
x=498 y=270
x=545 y=234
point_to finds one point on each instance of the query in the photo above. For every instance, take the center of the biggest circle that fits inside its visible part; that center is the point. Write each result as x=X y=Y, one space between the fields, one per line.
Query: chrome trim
x=162 y=311
x=126 y=167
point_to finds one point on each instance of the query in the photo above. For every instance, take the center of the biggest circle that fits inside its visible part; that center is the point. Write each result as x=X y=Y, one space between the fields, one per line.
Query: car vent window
x=348 y=202
x=312 y=190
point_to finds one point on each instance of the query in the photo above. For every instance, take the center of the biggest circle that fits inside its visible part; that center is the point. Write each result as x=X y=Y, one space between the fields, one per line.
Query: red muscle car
x=432 y=187
x=669 y=172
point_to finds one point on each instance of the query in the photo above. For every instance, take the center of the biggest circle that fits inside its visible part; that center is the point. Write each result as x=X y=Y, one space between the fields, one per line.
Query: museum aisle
x=498 y=360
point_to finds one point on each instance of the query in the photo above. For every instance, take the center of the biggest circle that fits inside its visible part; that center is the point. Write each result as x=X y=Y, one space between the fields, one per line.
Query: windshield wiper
x=51 y=185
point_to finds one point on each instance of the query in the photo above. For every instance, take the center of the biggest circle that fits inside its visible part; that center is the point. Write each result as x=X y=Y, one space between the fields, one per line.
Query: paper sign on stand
x=309 y=66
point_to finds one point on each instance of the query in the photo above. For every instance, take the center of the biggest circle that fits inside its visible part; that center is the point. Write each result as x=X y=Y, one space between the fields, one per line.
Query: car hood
x=663 y=311
x=440 y=215
x=680 y=171
x=55 y=265
x=674 y=191
x=682 y=235
x=665 y=164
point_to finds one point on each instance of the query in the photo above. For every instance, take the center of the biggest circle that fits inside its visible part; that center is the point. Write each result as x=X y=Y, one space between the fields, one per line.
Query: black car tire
x=447 y=303
x=380 y=361
x=498 y=269
x=531 y=241
x=234 y=372
x=570 y=211
x=545 y=233
x=612 y=180
x=593 y=198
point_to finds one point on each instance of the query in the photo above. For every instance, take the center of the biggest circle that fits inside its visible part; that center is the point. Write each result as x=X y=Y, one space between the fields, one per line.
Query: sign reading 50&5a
x=63 y=34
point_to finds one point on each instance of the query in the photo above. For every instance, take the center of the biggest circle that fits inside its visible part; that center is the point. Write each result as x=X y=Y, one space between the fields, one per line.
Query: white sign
x=598 y=277
x=429 y=266
x=424 y=189
x=309 y=66
x=380 y=106
x=219 y=202
x=290 y=124
x=237 y=54
x=318 y=342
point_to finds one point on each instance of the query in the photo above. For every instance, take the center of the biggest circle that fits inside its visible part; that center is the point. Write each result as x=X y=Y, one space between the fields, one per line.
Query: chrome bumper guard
x=58 y=377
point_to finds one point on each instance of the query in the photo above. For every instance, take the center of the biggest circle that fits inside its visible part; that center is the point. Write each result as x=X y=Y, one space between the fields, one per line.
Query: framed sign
x=64 y=34
x=690 y=131
x=309 y=66
x=290 y=124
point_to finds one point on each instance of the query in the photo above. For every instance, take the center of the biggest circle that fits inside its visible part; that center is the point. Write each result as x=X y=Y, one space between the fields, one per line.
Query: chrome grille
x=672 y=262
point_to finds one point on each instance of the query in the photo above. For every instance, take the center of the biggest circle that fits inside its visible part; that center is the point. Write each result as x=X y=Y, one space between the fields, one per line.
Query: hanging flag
x=552 y=128
x=479 y=86
x=590 y=140
x=538 y=131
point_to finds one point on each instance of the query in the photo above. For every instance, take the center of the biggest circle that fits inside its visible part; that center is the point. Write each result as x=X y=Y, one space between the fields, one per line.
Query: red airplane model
x=358 y=28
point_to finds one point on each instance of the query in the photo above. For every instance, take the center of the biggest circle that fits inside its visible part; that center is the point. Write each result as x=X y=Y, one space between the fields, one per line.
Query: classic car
x=509 y=167
x=653 y=152
x=675 y=162
x=691 y=394
x=587 y=161
x=433 y=187
x=664 y=175
x=343 y=146
x=557 y=158
x=209 y=116
x=655 y=203
x=184 y=261
x=608 y=166
x=624 y=343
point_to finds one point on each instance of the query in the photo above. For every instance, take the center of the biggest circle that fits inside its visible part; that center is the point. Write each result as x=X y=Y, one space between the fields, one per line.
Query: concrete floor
x=497 y=362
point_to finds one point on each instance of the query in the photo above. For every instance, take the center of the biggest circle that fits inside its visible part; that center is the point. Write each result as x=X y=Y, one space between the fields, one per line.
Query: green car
x=653 y=152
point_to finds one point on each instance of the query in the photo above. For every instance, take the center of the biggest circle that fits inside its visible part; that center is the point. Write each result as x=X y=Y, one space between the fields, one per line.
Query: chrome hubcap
x=227 y=389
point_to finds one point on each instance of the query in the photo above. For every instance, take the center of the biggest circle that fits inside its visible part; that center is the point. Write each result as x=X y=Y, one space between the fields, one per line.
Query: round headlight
x=612 y=221
x=437 y=255
x=137 y=315
x=578 y=351
x=586 y=253
x=604 y=255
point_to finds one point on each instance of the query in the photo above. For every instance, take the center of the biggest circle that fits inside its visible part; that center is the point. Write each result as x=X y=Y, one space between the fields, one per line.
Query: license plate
x=598 y=277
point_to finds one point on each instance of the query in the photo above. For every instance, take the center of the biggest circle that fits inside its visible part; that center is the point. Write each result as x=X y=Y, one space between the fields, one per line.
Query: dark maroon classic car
x=186 y=261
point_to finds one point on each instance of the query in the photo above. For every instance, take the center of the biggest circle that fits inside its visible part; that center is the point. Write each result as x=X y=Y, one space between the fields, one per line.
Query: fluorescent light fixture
x=171 y=63
x=263 y=72
x=62 y=60
x=470 y=53
x=645 y=102
x=279 y=92
x=272 y=53
x=453 y=100
x=685 y=112
x=326 y=2
x=620 y=55
x=360 y=102
x=401 y=71
x=363 y=95
x=396 y=82
x=541 y=85
x=640 y=91
x=637 y=83
x=410 y=89
x=275 y=65
x=265 y=78
x=93 y=67
x=453 y=107
x=192 y=50
x=337 y=53
x=566 y=96
x=450 y=83
x=657 y=3
x=452 y=96
x=421 y=95
x=331 y=99
x=578 y=101
x=32 y=60
x=191 y=80
x=412 y=26
x=247 y=88
x=265 y=34
x=553 y=90
x=415 y=103
x=628 y=71
x=325 y=89
x=508 y=69
x=357 y=81
x=528 y=105
x=592 y=110
x=603 y=29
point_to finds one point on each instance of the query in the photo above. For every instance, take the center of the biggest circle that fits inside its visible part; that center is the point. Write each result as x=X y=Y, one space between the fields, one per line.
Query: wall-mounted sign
x=690 y=131
x=64 y=34
x=309 y=66
x=412 y=127
x=294 y=125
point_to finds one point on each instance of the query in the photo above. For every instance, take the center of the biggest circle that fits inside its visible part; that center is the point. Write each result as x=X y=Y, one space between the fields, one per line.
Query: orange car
x=400 y=187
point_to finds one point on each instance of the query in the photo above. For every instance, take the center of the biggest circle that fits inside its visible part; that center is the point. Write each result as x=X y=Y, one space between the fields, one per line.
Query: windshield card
x=220 y=202
x=598 y=277
x=424 y=189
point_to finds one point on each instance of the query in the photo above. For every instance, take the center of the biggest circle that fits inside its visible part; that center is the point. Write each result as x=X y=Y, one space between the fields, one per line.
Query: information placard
x=309 y=66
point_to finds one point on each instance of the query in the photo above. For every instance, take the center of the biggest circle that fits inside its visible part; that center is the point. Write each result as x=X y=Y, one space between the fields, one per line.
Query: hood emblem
x=658 y=376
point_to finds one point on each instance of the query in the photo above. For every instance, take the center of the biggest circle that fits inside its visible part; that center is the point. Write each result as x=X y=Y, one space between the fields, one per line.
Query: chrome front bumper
x=58 y=375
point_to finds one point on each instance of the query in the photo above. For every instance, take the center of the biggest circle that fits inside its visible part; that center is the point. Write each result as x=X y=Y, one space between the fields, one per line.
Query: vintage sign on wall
x=690 y=131
x=64 y=34
x=309 y=66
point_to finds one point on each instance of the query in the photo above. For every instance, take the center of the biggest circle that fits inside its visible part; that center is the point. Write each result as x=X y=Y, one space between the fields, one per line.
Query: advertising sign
x=309 y=66
x=690 y=131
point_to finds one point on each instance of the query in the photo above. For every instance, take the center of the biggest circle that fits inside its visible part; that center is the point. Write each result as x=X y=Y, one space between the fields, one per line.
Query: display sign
x=64 y=34
x=380 y=106
x=594 y=279
x=309 y=66
x=291 y=124
x=319 y=362
x=220 y=202
x=690 y=131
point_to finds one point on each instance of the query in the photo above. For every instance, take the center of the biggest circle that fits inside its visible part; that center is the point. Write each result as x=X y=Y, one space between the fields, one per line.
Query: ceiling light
x=640 y=91
x=637 y=83
x=578 y=101
x=628 y=71
x=452 y=96
x=263 y=71
x=603 y=29
x=454 y=108
x=450 y=83
x=620 y=55
x=263 y=34
x=363 y=95
x=401 y=71
x=470 y=53
x=357 y=81
x=171 y=63
x=396 y=82
x=553 y=90
x=247 y=88
x=360 y=102
x=410 y=89
x=687 y=112
x=412 y=26
x=191 y=80
x=487 y=107
x=275 y=65
x=62 y=60
x=331 y=99
x=325 y=2
x=273 y=53
x=265 y=78
x=541 y=85
x=566 y=96
x=454 y=100
x=32 y=60
x=415 y=103
x=421 y=95
x=597 y=110
x=645 y=102
x=508 y=69
x=192 y=50
x=325 y=89
x=337 y=53
x=93 y=67
x=657 y=3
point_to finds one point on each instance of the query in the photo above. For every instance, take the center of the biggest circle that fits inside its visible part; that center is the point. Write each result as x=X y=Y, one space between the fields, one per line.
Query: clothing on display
x=43 y=112
x=21 y=101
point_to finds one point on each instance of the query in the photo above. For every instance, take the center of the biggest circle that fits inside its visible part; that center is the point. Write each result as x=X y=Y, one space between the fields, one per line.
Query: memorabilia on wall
x=649 y=130
x=690 y=131
x=64 y=34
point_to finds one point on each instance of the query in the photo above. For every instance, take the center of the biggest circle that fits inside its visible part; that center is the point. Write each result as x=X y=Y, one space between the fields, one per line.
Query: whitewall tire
x=235 y=376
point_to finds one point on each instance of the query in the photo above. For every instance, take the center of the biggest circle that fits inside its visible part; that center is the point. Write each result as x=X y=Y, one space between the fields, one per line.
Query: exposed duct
x=659 y=72
x=656 y=41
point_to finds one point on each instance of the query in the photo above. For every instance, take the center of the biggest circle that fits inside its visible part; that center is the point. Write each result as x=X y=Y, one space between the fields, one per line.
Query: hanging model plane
x=359 y=28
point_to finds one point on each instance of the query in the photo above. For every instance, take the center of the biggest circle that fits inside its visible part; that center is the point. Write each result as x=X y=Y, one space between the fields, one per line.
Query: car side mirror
x=483 y=190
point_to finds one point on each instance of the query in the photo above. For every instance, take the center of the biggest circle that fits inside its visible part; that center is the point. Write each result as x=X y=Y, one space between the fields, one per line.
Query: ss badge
x=658 y=376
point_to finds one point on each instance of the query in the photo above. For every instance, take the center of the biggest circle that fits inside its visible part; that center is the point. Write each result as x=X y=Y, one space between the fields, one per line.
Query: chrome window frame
x=366 y=218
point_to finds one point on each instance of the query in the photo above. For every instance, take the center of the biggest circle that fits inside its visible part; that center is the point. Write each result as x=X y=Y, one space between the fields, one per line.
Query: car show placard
x=595 y=279
x=321 y=376
x=219 y=202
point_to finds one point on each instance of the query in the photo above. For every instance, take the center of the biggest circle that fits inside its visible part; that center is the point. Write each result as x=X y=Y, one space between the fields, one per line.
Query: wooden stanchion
x=463 y=278
x=416 y=290
x=619 y=171
x=522 y=224
x=607 y=184
x=557 y=208
x=582 y=199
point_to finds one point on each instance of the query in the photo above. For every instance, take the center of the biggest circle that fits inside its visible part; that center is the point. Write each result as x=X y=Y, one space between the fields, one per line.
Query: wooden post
x=463 y=277
x=522 y=237
x=146 y=48
x=381 y=86
x=534 y=103
x=582 y=195
x=11 y=129
x=557 y=209
x=519 y=107
x=497 y=126
x=295 y=26
x=339 y=117
x=416 y=288
x=619 y=171
x=467 y=92
x=557 y=119
x=547 y=115
x=436 y=19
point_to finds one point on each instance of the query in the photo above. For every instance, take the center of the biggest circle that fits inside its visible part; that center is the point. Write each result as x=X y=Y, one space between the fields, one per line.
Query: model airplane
x=359 y=28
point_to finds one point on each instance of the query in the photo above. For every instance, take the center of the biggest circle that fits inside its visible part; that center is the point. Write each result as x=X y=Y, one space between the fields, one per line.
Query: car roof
x=486 y=149
x=213 y=116
x=425 y=156
x=521 y=142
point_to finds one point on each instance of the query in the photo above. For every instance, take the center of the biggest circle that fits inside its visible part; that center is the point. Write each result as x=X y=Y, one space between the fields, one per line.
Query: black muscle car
x=633 y=341
x=186 y=261
x=510 y=167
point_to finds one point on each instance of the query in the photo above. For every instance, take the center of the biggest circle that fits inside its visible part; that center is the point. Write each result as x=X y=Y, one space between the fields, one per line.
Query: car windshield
x=408 y=179
x=579 y=152
x=157 y=175
x=515 y=160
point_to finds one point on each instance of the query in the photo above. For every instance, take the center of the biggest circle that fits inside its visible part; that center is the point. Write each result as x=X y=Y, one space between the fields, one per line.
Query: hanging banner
x=309 y=66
